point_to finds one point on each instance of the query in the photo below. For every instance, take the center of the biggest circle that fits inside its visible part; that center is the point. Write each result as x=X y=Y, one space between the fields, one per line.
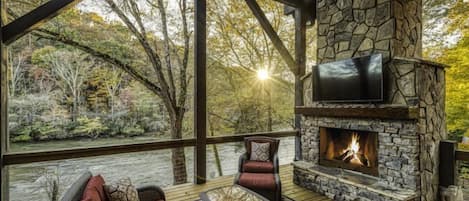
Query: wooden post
x=200 y=92
x=300 y=54
x=272 y=34
x=34 y=18
x=448 y=169
x=3 y=110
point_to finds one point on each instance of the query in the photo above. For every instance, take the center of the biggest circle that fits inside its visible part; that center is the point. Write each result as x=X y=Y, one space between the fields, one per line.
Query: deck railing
x=42 y=156
x=449 y=156
x=150 y=163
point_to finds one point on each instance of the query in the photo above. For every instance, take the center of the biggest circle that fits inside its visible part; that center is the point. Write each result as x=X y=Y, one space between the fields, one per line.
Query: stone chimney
x=351 y=28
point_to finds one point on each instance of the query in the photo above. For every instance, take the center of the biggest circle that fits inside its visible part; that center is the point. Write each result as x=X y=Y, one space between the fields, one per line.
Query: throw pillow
x=94 y=190
x=260 y=151
x=123 y=190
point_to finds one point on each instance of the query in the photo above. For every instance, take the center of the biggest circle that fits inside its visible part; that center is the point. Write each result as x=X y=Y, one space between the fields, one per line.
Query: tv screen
x=353 y=80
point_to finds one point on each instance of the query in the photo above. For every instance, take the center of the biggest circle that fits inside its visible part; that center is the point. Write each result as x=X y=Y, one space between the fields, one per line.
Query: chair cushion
x=273 y=144
x=261 y=181
x=75 y=191
x=260 y=151
x=94 y=190
x=258 y=167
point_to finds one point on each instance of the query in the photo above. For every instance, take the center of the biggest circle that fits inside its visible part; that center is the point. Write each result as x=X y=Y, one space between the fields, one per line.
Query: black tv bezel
x=314 y=81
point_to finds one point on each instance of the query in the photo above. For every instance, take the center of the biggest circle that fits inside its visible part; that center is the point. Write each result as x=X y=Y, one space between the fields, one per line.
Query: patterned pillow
x=123 y=190
x=260 y=151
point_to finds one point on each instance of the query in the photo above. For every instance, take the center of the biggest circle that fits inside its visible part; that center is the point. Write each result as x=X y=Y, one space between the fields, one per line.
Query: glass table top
x=231 y=193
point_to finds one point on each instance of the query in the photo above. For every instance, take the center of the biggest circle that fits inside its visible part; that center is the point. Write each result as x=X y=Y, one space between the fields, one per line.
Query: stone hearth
x=408 y=147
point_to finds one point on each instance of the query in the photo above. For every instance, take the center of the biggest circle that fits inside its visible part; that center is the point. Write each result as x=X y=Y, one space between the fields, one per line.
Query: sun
x=263 y=74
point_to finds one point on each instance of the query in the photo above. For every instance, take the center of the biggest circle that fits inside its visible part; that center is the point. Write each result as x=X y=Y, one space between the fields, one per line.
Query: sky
x=152 y=23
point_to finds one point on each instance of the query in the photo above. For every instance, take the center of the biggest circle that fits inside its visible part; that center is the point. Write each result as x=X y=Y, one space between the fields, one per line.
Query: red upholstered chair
x=261 y=177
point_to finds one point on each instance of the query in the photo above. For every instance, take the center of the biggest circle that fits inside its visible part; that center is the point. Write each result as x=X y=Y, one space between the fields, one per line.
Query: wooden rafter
x=292 y=3
x=308 y=8
x=260 y=15
x=34 y=18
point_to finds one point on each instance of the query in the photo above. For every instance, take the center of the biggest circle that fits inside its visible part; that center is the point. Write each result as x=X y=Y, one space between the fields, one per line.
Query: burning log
x=349 y=155
x=363 y=159
x=345 y=155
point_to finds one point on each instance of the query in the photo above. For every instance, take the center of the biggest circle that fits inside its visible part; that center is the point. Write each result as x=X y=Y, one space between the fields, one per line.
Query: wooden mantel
x=394 y=113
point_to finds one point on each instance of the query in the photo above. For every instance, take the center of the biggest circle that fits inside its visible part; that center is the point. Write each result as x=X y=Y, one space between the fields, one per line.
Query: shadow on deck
x=190 y=192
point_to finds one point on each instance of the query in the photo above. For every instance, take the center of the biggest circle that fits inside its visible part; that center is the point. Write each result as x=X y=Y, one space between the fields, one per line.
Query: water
x=27 y=182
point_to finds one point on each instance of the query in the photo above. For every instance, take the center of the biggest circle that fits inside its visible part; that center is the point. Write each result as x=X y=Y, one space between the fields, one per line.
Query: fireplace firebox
x=349 y=149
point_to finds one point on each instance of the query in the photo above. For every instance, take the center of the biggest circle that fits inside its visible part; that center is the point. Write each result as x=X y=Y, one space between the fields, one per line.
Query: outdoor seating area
x=191 y=192
x=246 y=100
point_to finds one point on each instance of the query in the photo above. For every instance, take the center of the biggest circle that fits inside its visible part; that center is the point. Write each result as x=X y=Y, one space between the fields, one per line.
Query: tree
x=169 y=78
x=447 y=21
x=112 y=80
x=16 y=71
x=70 y=69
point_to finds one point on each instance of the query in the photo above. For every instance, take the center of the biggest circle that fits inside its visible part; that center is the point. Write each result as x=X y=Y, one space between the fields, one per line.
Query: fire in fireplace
x=349 y=149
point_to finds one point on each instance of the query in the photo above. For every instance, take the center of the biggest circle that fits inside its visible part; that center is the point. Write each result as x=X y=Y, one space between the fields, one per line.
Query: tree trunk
x=178 y=157
x=75 y=107
x=215 y=150
x=112 y=107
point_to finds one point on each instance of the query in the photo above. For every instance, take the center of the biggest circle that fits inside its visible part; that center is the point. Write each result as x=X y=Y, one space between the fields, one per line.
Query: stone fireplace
x=374 y=151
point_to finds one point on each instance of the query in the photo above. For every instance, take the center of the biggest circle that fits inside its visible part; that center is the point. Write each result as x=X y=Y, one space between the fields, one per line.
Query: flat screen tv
x=353 y=80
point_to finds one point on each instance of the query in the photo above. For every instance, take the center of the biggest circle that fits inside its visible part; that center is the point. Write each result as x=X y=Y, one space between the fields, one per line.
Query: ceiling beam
x=278 y=44
x=292 y=3
x=34 y=18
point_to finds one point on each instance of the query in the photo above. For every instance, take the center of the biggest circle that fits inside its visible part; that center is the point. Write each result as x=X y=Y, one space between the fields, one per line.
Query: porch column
x=3 y=111
x=200 y=92
x=300 y=58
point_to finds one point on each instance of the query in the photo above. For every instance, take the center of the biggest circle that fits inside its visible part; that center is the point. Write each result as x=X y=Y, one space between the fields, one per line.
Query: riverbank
x=81 y=143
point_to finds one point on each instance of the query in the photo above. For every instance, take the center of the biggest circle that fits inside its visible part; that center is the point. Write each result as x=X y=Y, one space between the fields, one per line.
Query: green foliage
x=21 y=138
x=467 y=133
x=91 y=127
x=36 y=132
x=132 y=130
x=457 y=76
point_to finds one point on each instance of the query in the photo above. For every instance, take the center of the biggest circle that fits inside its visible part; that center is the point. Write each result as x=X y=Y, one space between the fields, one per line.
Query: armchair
x=260 y=176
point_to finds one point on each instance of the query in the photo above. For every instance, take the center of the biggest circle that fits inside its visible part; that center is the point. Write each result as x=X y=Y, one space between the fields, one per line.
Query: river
x=27 y=182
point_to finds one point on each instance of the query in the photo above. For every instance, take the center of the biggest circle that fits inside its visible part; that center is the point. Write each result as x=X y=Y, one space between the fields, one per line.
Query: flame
x=354 y=145
x=353 y=150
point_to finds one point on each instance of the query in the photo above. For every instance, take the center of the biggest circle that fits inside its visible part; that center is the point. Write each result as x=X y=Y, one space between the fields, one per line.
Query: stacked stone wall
x=351 y=28
x=431 y=126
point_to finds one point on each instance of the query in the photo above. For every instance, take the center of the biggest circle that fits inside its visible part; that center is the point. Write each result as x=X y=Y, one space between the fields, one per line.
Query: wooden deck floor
x=190 y=192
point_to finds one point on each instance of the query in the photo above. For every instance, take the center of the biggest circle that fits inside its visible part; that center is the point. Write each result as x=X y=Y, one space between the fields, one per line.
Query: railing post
x=448 y=169
x=200 y=92
x=300 y=56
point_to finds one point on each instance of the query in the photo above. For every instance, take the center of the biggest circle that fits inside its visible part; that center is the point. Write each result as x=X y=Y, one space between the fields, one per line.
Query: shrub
x=89 y=127
x=21 y=138
x=38 y=131
x=133 y=130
